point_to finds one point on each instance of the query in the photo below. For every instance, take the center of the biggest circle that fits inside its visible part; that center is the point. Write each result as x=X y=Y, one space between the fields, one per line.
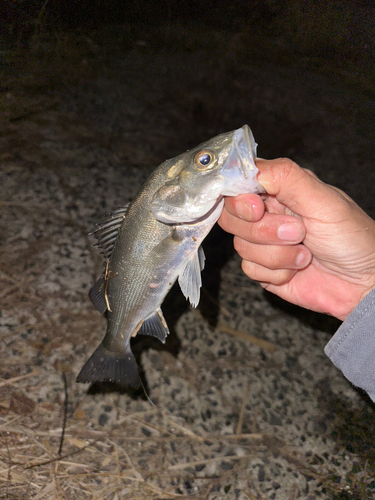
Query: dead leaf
x=80 y=443
x=21 y=404
x=79 y=414
x=61 y=367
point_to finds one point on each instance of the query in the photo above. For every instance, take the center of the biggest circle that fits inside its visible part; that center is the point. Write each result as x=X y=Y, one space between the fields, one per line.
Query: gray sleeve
x=352 y=348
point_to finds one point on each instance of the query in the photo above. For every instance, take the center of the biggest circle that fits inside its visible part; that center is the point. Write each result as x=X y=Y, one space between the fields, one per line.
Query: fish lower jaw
x=210 y=216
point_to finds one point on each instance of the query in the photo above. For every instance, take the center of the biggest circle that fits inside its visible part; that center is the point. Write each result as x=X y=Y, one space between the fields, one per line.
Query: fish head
x=194 y=183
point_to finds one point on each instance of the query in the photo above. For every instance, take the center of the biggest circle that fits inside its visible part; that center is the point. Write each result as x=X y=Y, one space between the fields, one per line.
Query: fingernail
x=302 y=260
x=290 y=231
x=244 y=211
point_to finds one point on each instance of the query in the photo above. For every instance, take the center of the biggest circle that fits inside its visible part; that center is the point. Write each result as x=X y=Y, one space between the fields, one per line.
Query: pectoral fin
x=155 y=325
x=190 y=280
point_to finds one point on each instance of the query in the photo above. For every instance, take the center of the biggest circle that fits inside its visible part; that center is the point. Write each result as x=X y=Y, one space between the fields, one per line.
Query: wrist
x=343 y=310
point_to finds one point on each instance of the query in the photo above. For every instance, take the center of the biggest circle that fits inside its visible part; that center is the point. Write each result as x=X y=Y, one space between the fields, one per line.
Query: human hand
x=305 y=241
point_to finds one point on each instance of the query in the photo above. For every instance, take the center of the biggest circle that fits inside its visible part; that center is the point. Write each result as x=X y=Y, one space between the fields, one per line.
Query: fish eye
x=204 y=160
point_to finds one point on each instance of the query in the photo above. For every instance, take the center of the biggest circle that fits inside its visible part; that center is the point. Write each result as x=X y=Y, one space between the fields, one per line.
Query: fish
x=156 y=240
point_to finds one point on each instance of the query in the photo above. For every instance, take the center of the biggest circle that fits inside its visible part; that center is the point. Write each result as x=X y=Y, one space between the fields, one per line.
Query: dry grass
x=98 y=464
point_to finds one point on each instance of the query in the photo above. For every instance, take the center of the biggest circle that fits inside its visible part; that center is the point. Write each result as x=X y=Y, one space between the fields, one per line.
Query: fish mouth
x=240 y=170
x=245 y=145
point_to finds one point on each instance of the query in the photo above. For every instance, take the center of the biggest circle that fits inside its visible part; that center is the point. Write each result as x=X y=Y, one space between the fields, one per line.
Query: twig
x=209 y=489
x=56 y=459
x=107 y=277
x=136 y=473
x=242 y=411
x=185 y=430
x=263 y=344
x=162 y=493
x=207 y=461
x=145 y=393
x=214 y=301
x=9 y=478
x=65 y=414
x=252 y=435
x=17 y=379
x=75 y=452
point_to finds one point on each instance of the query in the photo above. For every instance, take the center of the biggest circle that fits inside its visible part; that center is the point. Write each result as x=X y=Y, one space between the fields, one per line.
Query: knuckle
x=278 y=173
x=265 y=275
x=311 y=173
x=282 y=276
x=285 y=167
x=248 y=268
x=236 y=243
x=275 y=260
x=240 y=246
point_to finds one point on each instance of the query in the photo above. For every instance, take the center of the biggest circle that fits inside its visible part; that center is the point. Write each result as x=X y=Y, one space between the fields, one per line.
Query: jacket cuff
x=352 y=348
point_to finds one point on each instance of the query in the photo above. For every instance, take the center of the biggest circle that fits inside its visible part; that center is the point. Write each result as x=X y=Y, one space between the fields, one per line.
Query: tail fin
x=105 y=365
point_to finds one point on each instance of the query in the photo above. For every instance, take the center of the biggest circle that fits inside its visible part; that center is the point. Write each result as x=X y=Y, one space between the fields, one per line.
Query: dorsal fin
x=107 y=231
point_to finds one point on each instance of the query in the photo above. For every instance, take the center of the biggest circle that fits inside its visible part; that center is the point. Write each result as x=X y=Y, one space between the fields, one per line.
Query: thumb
x=296 y=188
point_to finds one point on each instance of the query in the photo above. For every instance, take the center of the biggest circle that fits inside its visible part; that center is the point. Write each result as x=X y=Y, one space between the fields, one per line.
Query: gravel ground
x=242 y=402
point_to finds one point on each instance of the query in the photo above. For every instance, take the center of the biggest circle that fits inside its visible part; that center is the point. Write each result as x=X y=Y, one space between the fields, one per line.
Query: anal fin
x=156 y=326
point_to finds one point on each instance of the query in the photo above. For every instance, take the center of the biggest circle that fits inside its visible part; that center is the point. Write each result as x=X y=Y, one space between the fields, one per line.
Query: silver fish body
x=157 y=240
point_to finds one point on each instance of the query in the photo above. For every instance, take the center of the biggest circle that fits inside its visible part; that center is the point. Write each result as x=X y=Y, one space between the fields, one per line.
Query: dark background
x=350 y=21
